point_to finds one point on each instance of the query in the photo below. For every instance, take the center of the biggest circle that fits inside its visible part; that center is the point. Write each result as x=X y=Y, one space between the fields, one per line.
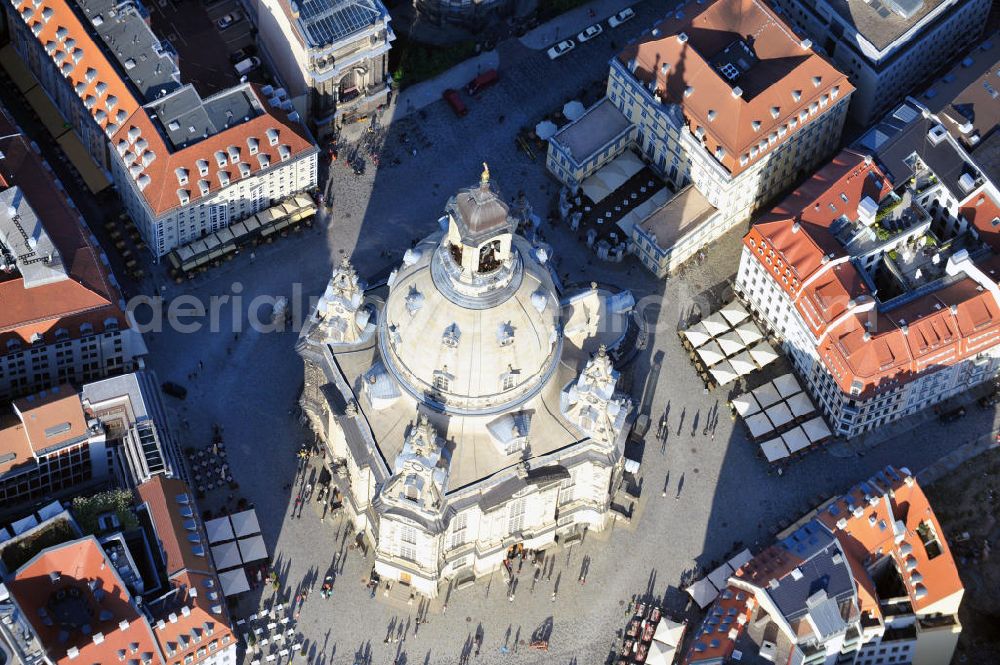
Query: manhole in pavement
x=697 y=471
x=468 y=619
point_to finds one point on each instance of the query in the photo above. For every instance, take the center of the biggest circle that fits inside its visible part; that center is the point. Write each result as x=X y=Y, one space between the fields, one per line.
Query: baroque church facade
x=469 y=406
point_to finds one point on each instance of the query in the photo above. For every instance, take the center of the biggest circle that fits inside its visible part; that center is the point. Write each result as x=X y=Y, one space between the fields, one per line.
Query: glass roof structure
x=325 y=22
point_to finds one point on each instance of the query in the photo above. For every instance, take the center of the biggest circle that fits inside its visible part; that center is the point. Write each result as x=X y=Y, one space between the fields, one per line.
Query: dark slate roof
x=824 y=569
x=904 y=133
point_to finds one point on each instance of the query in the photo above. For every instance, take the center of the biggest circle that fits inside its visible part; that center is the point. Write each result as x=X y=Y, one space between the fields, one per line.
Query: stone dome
x=471 y=354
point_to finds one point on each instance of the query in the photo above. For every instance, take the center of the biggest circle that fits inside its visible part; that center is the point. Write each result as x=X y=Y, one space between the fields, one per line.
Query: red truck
x=483 y=81
x=455 y=102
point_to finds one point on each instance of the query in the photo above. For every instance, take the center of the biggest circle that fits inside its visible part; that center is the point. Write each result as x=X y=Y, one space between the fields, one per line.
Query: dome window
x=451 y=336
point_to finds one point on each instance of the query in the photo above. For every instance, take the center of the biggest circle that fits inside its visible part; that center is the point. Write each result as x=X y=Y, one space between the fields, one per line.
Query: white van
x=244 y=67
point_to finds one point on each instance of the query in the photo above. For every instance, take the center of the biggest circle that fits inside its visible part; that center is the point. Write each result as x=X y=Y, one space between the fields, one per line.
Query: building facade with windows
x=185 y=167
x=466 y=419
x=740 y=119
x=136 y=427
x=62 y=316
x=50 y=447
x=887 y=47
x=168 y=612
x=880 y=316
x=332 y=55
x=865 y=579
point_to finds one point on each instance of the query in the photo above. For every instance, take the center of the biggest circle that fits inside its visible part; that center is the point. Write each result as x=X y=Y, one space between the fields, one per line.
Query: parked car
x=483 y=81
x=242 y=54
x=228 y=20
x=953 y=415
x=244 y=67
x=174 y=389
x=455 y=102
x=590 y=33
x=561 y=49
x=624 y=15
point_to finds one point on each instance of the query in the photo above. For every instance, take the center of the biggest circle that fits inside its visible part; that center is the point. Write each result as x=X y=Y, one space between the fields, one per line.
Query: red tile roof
x=984 y=214
x=787 y=78
x=79 y=58
x=161 y=192
x=88 y=296
x=797 y=249
x=203 y=618
x=85 y=581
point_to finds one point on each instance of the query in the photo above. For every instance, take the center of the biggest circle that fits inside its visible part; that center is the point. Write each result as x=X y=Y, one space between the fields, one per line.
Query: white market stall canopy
x=740 y=559
x=731 y=343
x=611 y=176
x=795 y=440
x=816 y=429
x=743 y=363
x=666 y=642
x=779 y=415
x=252 y=548
x=702 y=592
x=749 y=333
x=234 y=582
x=800 y=405
x=715 y=324
x=766 y=395
x=219 y=530
x=787 y=385
x=226 y=555
x=724 y=373
x=764 y=354
x=745 y=405
x=245 y=523
x=774 y=450
x=759 y=425
x=735 y=313
x=697 y=335
x=711 y=354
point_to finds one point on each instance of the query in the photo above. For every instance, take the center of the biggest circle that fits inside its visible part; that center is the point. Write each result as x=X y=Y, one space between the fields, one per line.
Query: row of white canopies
x=707 y=589
x=775 y=406
x=729 y=344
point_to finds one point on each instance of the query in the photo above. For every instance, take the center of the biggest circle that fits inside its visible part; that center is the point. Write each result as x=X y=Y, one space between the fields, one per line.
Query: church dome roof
x=471 y=359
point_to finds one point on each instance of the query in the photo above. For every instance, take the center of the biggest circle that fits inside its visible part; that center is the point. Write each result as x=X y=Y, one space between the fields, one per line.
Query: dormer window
x=442 y=381
x=223 y=178
x=284 y=152
x=202 y=167
x=220 y=159
x=182 y=175
x=234 y=154
x=264 y=160
x=775 y=112
x=253 y=144
x=272 y=136
x=756 y=125
x=244 y=169
x=184 y=196
x=796 y=95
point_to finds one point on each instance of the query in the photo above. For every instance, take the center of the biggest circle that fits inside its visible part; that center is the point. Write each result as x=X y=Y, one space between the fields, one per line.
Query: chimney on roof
x=682 y=37
x=98 y=637
x=806 y=44
x=954 y=310
x=72 y=653
x=123 y=624
x=795 y=227
x=737 y=91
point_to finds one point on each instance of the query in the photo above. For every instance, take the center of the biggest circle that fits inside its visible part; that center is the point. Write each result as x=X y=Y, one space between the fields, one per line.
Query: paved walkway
x=573 y=22
x=427 y=92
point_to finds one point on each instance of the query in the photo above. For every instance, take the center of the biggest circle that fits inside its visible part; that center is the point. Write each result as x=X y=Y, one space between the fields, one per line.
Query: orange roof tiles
x=161 y=191
x=88 y=296
x=81 y=60
x=984 y=214
x=199 y=591
x=787 y=78
x=85 y=583
x=795 y=245
x=48 y=419
x=883 y=516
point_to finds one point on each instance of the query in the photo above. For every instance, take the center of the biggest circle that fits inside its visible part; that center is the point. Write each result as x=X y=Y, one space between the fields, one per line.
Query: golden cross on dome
x=484 y=179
